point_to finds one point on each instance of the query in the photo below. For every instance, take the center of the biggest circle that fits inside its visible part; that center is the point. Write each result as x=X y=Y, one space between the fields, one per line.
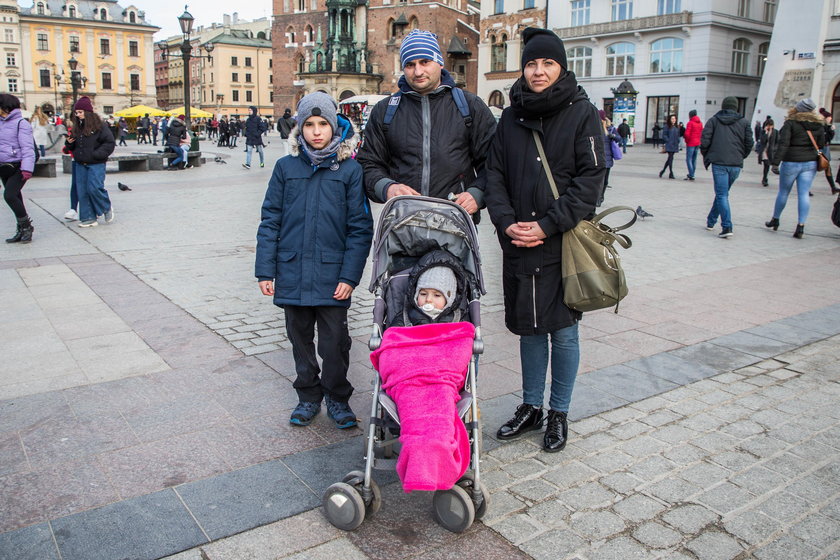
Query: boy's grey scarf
x=319 y=156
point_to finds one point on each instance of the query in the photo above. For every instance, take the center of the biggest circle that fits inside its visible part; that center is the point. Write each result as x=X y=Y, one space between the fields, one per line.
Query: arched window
x=391 y=29
x=498 y=54
x=666 y=55
x=308 y=34
x=741 y=56
x=763 y=49
x=40 y=8
x=301 y=64
x=103 y=15
x=580 y=61
x=345 y=95
x=496 y=99
x=71 y=11
x=132 y=18
x=290 y=34
x=413 y=23
x=621 y=59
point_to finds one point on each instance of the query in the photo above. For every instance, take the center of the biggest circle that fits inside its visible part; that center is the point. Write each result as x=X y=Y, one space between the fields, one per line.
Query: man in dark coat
x=176 y=132
x=254 y=128
x=726 y=141
x=143 y=129
x=285 y=124
x=429 y=148
x=624 y=134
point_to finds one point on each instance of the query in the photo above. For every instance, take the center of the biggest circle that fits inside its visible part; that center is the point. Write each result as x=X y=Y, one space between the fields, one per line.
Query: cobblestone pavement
x=146 y=386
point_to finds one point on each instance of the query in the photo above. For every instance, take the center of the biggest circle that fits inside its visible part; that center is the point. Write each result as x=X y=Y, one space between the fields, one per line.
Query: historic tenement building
x=351 y=47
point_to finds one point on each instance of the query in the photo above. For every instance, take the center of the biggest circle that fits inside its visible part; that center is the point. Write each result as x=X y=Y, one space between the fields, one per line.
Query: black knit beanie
x=542 y=43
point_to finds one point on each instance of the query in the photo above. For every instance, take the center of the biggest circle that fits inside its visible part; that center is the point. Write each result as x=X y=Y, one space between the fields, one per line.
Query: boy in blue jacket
x=312 y=245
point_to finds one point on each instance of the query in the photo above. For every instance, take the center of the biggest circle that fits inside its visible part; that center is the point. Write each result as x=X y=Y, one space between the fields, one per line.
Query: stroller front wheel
x=343 y=506
x=356 y=479
x=453 y=509
x=467 y=482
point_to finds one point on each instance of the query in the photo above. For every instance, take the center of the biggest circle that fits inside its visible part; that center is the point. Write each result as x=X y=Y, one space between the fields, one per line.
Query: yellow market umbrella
x=195 y=112
x=140 y=111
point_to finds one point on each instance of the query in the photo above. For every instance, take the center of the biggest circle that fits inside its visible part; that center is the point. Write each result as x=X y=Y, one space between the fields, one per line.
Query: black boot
x=773 y=223
x=24 y=231
x=800 y=231
x=556 y=432
x=526 y=419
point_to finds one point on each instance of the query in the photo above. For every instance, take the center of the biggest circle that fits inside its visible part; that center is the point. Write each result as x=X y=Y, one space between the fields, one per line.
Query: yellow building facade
x=112 y=45
x=240 y=75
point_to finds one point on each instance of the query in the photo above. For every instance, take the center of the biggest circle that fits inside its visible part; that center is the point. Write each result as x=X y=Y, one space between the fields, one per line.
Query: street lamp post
x=77 y=81
x=186 y=20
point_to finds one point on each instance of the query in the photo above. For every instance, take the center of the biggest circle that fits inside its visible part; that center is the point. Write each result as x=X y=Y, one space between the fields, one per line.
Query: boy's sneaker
x=71 y=215
x=246 y=166
x=109 y=215
x=304 y=412
x=263 y=165
x=89 y=223
x=726 y=233
x=710 y=228
x=341 y=414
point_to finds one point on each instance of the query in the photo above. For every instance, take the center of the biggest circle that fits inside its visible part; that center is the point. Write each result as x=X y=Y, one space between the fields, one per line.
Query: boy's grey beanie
x=317 y=104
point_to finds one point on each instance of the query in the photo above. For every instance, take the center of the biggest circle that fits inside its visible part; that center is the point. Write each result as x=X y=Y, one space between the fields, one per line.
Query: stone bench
x=133 y=162
x=156 y=160
x=45 y=167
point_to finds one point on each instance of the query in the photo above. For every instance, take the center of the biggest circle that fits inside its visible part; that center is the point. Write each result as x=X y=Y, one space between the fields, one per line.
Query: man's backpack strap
x=457 y=96
x=393 y=104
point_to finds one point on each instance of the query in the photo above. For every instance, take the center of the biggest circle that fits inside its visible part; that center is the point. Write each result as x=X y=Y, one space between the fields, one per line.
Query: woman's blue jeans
x=565 y=358
x=90 y=184
x=803 y=172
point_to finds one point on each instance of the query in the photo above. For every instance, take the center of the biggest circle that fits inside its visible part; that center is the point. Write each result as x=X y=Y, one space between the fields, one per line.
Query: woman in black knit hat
x=547 y=105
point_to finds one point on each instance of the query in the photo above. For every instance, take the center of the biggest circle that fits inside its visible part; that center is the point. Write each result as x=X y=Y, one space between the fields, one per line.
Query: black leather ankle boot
x=526 y=419
x=556 y=432
x=24 y=231
x=773 y=223
x=800 y=231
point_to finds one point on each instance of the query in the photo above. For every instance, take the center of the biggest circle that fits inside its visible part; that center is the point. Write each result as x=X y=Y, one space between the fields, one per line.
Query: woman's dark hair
x=769 y=122
x=668 y=122
x=9 y=102
x=92 y=124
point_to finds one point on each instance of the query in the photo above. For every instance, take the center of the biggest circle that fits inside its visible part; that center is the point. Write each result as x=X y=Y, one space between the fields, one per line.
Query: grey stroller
x=409 y=228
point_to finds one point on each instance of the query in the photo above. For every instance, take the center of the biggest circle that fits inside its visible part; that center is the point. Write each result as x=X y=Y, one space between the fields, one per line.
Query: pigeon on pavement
x=642 y=213
x=123 y=187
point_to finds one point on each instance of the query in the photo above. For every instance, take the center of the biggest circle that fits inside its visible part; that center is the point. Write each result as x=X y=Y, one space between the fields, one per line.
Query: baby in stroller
x=423 y=363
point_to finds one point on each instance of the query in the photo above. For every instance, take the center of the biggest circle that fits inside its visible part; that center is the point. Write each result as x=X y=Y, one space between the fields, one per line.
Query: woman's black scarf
x=528 y=104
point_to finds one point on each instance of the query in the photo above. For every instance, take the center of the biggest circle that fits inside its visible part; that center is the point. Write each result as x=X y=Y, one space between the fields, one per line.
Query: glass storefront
x=658 y=109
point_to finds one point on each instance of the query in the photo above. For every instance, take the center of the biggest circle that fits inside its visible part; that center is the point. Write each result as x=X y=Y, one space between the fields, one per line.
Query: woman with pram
x=548 y=109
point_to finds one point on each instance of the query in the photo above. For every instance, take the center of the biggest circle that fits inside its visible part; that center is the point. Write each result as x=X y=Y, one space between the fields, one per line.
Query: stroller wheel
x=343 y=506
x=357 y=480
x=453 y=509
x=467 y=482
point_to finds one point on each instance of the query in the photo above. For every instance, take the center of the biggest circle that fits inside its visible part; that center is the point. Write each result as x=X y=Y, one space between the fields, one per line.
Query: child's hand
x=342 y=291
x=267 y=287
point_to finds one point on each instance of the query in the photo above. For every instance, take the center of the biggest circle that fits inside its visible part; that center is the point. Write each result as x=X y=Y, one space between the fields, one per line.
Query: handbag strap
x=814 y=142
x=544 y=161
x=608 y=211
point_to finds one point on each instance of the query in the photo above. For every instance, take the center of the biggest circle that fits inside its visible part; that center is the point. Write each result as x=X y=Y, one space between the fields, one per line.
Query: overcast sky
x=164 y=13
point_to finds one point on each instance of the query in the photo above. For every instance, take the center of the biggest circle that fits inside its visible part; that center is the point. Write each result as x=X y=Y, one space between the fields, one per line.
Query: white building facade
x=678 y=55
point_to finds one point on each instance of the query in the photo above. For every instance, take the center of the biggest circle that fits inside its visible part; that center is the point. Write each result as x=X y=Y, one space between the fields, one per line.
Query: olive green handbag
x=591 y=268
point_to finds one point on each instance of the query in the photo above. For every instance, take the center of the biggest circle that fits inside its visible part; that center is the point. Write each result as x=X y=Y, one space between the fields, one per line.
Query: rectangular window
x=135 y=82
x=249 y=96
x=769 y=11
x=45 y=77
x=528 y=4
x=498 y=6
x=622 y=9
x=10 y=36
x=234 y=77
x=247 y=61
x=13 y=85
x=106 y=80
x=744 y=8
x=580 y=12
x=10 y=59
x=271 y=78
x=133 y=48
x=234 y=61
x=235 y=95
x=43 y=42
x=580 y=61
x=108 y=109
x=74 y=44
x=247 y=78
x=105 y=46
x=668 y=7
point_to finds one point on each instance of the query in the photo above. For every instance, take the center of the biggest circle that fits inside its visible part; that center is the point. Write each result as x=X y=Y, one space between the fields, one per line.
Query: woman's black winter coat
x=518 y=191
x=93 y=148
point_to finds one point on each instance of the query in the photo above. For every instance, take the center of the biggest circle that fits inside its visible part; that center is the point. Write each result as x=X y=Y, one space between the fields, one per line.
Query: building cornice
x=78 y=22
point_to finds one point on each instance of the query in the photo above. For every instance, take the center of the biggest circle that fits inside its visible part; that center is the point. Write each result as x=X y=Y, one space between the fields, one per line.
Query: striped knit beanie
x=418 y=45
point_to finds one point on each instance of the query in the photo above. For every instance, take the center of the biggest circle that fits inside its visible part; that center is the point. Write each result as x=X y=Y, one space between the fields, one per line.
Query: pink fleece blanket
x=423 y=370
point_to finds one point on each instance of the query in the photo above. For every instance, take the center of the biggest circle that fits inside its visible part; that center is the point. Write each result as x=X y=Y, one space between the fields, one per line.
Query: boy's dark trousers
x=333 y=347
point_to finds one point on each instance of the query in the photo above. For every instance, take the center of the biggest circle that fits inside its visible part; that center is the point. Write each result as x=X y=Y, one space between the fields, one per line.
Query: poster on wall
x=795 y=85
x=624 y=107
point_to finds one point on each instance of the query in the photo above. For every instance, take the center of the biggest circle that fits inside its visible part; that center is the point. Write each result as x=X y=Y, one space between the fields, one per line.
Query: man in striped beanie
x=430 y=138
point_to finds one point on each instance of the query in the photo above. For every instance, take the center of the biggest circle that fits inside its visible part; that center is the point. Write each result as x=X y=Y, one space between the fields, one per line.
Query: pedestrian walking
x=769 y=140
x=143 y=129
x=657 y=135
x=233 y=131
x=255 y=127
x=224 y=132
x=624 y=134
x=795 y=159
x=826 y=149
x=123 y=131
x=726 y=141
x=311 y=274
x=444 y=157
x=693 y=133
x=610 y=136
x=41 y=130
x=91 y=143
x=17 y=162
x=546 y=103
x=284 y=127
x=671 y=136
x=155 y=129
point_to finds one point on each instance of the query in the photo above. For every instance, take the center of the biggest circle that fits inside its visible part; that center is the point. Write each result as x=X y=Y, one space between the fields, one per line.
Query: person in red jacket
x=693 y=131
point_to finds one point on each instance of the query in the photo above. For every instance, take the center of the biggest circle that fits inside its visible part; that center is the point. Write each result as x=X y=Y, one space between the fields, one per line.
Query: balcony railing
x=626 y=25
